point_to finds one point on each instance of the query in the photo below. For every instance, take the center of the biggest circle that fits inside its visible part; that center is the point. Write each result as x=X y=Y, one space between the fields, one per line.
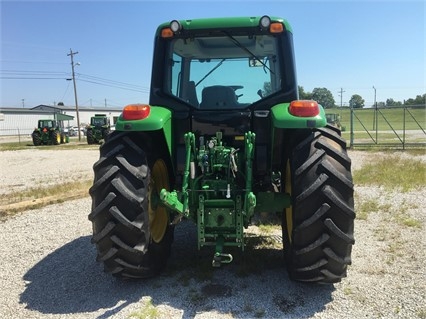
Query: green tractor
x=98 y=129
x=48 y=132
x=223 y=139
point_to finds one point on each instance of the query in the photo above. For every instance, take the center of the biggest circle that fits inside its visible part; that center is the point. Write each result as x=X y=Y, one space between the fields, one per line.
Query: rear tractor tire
x=318 y=230
x=36 y=138
x=90 y=137
x=63 y=138
x=132 y=232
x=56 y=138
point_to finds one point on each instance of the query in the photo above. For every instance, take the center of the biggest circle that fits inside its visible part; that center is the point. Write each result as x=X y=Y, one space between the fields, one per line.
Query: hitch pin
x=220 y=258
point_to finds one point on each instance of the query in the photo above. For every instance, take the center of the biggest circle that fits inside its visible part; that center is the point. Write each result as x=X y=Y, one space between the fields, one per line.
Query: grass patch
x=259 y=313
x=267 y=229
x=37 y=197
x=405 y=220
x=149 y=311
x=347 y=291
x=364 y=208
x=392 y=172
x=15 y=146
x=412 y=222
x=42 y=192
x=421 y=313
x=367 y=207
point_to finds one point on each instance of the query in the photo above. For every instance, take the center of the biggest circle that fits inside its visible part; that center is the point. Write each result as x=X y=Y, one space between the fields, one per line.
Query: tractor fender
x=282 y=118
x=159 y=118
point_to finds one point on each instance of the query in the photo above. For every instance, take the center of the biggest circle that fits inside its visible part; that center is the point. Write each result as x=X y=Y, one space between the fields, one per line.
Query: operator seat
x=191 y=94
x=219 y=97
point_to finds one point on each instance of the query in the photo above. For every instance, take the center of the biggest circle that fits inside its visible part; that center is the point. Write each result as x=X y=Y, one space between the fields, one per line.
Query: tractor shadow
x=255 y=284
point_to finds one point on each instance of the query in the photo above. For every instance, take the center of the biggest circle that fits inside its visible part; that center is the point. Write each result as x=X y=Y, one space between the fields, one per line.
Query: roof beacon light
x=304 y=108
x=265 y=22
x=175 y=26
x=136 y=111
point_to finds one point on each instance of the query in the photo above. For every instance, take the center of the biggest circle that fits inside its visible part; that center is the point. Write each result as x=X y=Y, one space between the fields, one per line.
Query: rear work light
x=304 y=108
x=174 y=28
x=136 y=111
x=265 y=23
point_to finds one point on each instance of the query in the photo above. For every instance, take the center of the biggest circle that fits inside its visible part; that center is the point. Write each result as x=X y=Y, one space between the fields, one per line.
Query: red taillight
x=136 y=111
x=304 y=108
x=44 y=129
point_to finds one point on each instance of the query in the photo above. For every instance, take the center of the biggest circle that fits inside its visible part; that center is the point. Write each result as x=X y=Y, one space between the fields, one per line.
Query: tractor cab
x=224 y=68
x=46 y=124
x=224 y=78
x=99 y=121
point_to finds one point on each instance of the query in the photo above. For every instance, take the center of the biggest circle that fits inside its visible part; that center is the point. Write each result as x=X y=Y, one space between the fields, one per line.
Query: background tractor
x=223 y=138
x=49 y=132
x=98 y=129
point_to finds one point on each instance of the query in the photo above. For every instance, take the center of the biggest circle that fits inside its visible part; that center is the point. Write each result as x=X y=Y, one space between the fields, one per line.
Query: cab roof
x=229 y=22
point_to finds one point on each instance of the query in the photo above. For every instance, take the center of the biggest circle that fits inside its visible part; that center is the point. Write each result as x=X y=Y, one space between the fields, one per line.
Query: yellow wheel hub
x=288 y=211
x=158 y=216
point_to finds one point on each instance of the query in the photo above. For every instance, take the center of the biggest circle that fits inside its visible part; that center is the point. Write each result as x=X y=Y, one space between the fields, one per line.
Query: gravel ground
x=18 y=169
x=48 y=267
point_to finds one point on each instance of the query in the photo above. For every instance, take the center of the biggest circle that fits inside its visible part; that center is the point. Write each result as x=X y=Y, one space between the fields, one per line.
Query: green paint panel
x=281 y=118
x=159 y=119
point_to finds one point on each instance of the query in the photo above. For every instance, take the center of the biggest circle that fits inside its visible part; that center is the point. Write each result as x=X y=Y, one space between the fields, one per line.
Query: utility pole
x=341 y=96
x=71 y=54
x=375 y=113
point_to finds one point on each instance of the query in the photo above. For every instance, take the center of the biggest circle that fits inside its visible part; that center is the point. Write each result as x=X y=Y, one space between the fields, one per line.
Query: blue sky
x=353 y=45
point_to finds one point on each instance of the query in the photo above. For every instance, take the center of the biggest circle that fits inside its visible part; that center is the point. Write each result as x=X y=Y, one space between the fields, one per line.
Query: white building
x=21 y=121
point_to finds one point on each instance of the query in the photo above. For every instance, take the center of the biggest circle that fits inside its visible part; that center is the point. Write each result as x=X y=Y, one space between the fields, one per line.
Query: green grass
x=366 y=207
x=392 y=172
x=148 y=311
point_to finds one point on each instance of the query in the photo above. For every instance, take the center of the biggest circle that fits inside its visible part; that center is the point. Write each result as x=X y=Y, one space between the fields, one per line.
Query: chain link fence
x=394 y=127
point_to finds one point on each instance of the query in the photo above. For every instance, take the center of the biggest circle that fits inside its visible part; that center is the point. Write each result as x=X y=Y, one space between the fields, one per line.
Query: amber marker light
x=167 y=33
x=276 y=27
x=136 y=111
x=304 y=108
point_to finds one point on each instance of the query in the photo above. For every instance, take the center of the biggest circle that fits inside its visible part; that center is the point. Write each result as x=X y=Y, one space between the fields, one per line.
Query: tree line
x=324 y=97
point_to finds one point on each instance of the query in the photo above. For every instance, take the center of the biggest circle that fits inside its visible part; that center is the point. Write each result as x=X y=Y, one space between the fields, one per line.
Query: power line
x=142 y=90
x=52 y=75
x=28 y=78
x=112 y=83
x=31 y=62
